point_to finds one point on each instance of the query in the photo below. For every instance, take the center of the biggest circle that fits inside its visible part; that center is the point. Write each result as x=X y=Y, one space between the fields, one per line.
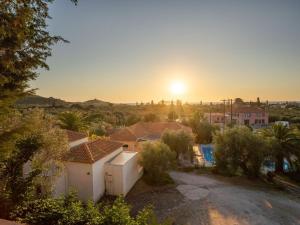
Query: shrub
x=239 y=149
x=157 y=159
x=180 y=142
x=71 y=211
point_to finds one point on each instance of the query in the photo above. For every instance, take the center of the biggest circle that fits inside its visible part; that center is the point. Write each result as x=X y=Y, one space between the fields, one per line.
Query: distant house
x=215 y=118
x=87 y=168
x=133 y=135
x=250 y=116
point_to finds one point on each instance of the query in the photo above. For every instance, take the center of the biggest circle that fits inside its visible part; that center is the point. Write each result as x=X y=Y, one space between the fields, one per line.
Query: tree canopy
x=25 y=44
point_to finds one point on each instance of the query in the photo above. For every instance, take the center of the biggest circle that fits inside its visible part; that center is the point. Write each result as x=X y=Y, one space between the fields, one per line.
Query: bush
x=70 y=211
x=179 y=142
x=157 y=159
x=239 y=149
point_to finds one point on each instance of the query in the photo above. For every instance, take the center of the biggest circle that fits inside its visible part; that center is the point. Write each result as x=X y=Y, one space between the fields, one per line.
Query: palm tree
x=71 y=121
x=284 y=144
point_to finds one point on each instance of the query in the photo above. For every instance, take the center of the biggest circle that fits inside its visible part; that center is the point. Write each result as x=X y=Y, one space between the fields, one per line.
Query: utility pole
x=210 y=112
x=224 y=113
x=231 y=111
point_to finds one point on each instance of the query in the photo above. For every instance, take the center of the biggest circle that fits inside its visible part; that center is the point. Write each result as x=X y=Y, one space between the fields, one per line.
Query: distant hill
x=95 y=102
x=36 y=100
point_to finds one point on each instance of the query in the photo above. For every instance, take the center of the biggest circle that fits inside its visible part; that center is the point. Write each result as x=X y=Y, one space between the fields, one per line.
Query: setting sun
x=178 y=88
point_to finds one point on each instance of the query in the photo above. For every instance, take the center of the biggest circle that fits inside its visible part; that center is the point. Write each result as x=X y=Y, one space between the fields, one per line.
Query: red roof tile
x=146 y=130
x=74 y=135
x=90 y=152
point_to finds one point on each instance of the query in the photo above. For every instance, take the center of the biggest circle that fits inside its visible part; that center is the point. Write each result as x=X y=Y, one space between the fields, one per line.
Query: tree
x=71 y=121
x=172 y=116
x=151 y=117
x=132 y=119
x=204 y=132
x=157 y=159
x=239 y=148
x=284 y=143
x=180 y=142
x=37 y=140
x=238 y=101
x=25 y=44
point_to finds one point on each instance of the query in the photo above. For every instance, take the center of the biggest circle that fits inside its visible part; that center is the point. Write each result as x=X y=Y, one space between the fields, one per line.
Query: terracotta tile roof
x=74 y=135
x=90 y=152
x=147 y=130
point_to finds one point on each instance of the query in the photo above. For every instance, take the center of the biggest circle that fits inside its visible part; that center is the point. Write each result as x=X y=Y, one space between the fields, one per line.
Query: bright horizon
x=132 y=51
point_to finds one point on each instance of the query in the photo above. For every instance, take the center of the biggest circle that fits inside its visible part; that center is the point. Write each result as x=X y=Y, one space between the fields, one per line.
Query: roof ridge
x=88 y=152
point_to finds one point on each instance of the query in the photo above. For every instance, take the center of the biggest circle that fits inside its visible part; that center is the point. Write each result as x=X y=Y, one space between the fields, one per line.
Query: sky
x=134 y=50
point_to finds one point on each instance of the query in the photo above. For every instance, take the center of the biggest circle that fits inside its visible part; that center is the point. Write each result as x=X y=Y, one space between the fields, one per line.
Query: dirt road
x=207 y=200
x=210 y=201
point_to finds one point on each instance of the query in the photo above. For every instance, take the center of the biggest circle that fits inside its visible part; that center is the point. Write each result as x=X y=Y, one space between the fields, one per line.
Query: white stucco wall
x=123 y=176
x=78 y=142
x=80 y=178
x=131 y=173
x=99 y=174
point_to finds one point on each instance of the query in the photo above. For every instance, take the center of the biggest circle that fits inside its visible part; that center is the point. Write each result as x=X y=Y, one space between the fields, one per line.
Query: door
x=109 y=184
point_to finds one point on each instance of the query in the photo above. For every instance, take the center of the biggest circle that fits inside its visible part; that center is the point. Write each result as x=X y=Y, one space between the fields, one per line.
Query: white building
x=85 y=165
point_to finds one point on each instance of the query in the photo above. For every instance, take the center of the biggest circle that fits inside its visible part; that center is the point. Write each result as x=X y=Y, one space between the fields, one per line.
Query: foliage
x=71 y=121
x=25 y=45
x=202 y=129
x=180 y=142
x=239 y=149
x=172 y=116
x=285 y=143
x=157 y=159
x=33 y=138
x=132 y=119
x=70 y=211
x=151 y=117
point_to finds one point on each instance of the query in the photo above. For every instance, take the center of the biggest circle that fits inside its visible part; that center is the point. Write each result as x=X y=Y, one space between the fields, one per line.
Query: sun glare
x=177 y=88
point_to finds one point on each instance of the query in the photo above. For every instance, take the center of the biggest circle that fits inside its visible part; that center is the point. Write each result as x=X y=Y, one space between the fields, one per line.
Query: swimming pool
x=207 y=152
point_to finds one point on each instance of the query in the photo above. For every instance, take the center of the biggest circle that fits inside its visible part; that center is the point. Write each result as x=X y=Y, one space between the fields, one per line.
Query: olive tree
x=157 y=159
x=239 y=148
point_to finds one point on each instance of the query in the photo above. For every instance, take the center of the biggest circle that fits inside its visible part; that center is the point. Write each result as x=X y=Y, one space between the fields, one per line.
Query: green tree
x=38 y=142
x=172 y=116
x=132 y=119
x=71 y=121
x=180 y=142
x=151 y=117
x=25 y=44
x=239 y=148
x=284 y=143
x=157 y=159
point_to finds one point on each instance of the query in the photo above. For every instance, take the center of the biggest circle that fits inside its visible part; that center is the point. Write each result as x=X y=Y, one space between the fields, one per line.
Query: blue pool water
x=207 y=151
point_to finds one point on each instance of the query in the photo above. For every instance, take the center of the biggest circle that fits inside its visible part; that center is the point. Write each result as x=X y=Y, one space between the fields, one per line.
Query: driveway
x=208 y=200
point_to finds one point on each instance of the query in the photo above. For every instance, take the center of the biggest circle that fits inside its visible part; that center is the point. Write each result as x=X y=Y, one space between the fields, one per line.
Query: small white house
x=84 y=168
x=121 y=173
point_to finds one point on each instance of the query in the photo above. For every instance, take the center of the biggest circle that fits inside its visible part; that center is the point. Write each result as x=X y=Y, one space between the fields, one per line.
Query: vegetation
x=33 y=137
x=71 y=121
x=180 y=142
x=70 y=211
x=157 y=159
x=202 y=129
x=239 y=149
x=25 y=45
x=285 y=144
